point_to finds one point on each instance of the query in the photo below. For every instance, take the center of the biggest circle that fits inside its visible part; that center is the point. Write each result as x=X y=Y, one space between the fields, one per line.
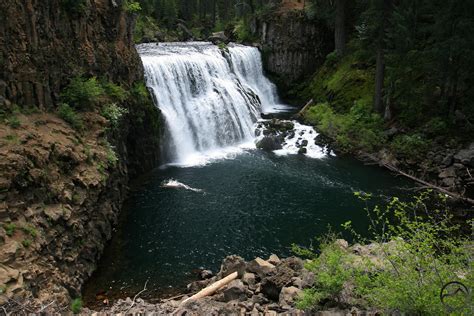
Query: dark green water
x=253 y=205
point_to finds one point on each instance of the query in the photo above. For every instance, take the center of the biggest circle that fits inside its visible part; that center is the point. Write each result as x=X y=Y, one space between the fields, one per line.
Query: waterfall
x=210 y=98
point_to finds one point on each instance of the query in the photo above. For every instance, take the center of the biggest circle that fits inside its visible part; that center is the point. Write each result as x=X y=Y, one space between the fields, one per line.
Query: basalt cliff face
x=61 y=189
x=293 y=46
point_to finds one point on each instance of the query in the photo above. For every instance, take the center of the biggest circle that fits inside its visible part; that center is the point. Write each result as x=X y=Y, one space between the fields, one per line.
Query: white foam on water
x=175 y=184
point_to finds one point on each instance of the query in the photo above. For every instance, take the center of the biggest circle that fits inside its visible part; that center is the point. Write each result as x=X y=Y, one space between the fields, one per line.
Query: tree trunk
x=340 y=29
x=380 y=63
x=379 y=79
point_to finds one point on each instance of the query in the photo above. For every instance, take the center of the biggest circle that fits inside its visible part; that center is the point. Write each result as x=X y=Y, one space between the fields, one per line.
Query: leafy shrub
x=358 y=129
x=26 y=243
x=76 y=305
x=113 y=113
x=14 y=122
x=10 y=229
x=131 y=6
x=30 y=230
x=82 y=93
x=112 y=158
x=436 y=126
x=411 y=146
x=419 y=252
x=70 y=116
x=114 y=92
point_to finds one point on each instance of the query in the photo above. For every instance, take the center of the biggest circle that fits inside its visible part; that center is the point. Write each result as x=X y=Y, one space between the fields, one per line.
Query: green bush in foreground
x=420 y=251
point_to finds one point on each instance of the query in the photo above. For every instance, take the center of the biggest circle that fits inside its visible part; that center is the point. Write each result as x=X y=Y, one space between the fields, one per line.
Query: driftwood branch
x=425 y=183
x=135 y=297
x=211 y=289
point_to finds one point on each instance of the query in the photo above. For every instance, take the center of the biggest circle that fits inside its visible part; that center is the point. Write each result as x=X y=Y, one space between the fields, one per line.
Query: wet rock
x=304 y=142
x=302 y=151
x=260 y=267
x=270 y=143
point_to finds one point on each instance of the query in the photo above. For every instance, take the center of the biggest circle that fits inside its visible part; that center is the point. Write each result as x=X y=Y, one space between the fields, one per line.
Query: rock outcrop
x=293 y=46
x=61 y=190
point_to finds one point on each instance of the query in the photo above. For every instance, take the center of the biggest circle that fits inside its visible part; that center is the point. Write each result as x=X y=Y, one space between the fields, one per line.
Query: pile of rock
x=263 y=287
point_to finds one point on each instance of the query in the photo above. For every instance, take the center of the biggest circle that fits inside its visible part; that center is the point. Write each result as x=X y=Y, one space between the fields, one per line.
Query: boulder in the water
x=269 y=143
x=302 y=151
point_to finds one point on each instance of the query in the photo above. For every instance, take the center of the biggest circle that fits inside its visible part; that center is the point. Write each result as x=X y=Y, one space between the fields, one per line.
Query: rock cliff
x=61 y=189
x=293 y=46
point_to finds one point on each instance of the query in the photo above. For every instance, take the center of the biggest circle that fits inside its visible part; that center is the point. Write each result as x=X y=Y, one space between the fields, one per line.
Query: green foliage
x=112 y=158
x=26 y=243
x=243 y=32
x=131 y=6
x=3 y=288
x=14 y=122
x=82 y=93
x=411 y=146
x=68 y=114
x=113 y=91
x=76 y=305
x=145 y=26
x=113 y=113
x=10 y=229
x=358 y=129
x=419 y=250
x=30 y=230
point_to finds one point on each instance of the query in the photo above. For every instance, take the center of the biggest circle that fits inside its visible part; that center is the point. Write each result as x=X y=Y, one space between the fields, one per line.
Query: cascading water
x=210 y=98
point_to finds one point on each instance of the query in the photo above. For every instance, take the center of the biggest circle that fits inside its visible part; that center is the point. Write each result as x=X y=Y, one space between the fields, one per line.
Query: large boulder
x=270 y=143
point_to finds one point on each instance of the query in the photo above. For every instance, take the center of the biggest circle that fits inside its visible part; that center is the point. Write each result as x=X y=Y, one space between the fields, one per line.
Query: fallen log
x=425 y=183
x=307 y=105
x=211 y=289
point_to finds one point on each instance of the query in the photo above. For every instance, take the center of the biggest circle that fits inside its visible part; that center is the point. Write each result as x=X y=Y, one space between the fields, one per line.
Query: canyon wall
x=293 y=46
x=61 y=189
